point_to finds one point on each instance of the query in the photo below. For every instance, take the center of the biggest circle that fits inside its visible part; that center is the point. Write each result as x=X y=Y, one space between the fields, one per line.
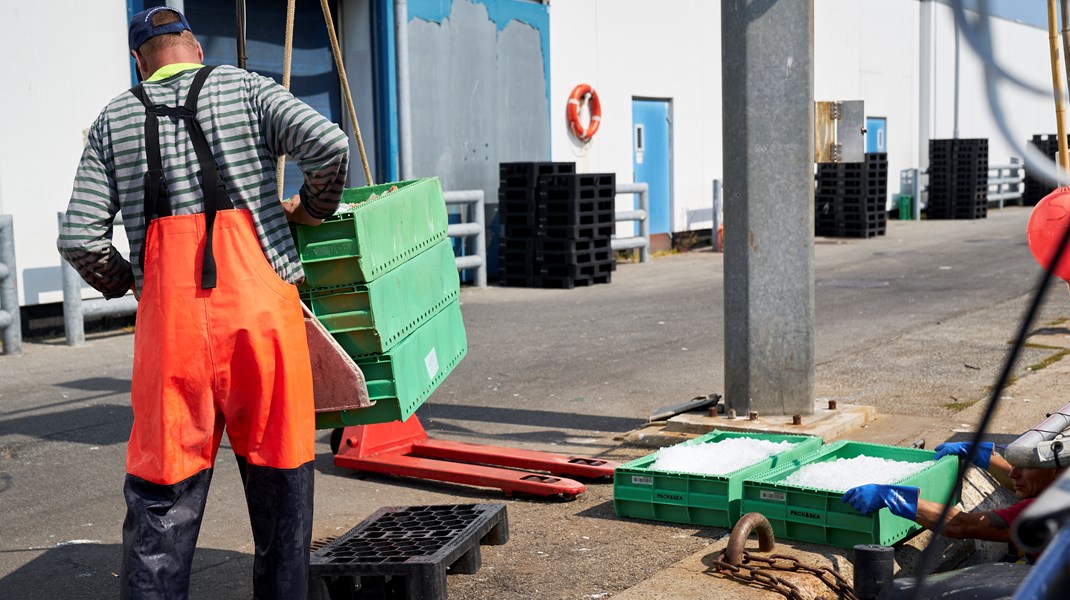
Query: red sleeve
x=1011 y=513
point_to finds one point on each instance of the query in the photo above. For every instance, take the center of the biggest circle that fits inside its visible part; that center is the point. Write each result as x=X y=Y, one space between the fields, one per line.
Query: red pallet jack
x=403 y=448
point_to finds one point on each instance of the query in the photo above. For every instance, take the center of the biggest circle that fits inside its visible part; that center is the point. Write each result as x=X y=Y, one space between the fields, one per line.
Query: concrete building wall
x=478 y=90
x=629 y=49
x=62 y=62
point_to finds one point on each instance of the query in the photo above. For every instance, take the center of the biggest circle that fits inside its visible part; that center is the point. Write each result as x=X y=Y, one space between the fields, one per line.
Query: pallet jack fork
x=404 y=448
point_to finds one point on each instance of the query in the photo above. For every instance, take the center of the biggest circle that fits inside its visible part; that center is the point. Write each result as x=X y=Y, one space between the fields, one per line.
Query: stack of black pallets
x=958 y=179
x=850 y=199
x=556 y=225
x=1036 y=188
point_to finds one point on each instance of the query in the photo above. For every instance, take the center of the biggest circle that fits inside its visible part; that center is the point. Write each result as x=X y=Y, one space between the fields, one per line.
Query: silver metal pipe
x=1024 y=452
x=629 y=215
x=99 y=307
x=462 y=229
x=401 y=58
x=628 y=243
x=73 y=322
x=11 y=325
x=469 y=262
x=718 y=204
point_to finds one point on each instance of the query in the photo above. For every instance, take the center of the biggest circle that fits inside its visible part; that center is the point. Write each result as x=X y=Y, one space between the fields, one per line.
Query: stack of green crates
x=819 y=516
x=383 y=280
x=695 y=498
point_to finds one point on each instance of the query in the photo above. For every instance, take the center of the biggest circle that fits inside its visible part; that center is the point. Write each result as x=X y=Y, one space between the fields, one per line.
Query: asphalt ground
x=916 y=323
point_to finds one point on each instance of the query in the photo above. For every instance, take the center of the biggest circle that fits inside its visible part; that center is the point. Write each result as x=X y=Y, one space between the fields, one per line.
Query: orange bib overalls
x=220 y=343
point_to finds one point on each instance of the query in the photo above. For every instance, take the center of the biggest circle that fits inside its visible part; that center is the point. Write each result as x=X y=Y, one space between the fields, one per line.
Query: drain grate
x=406 y=551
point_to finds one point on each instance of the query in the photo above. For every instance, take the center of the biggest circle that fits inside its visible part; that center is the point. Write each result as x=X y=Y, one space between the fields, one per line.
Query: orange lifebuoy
x=574 y=101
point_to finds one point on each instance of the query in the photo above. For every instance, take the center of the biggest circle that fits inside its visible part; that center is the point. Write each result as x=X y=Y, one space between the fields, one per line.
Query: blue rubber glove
x=901 y=500
x=981 y=457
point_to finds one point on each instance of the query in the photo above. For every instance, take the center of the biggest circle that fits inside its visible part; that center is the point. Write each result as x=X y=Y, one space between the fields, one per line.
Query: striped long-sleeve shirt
x=249 y=121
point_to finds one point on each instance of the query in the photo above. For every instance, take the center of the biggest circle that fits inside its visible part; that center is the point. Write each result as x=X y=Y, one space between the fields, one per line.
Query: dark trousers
x=162 y=523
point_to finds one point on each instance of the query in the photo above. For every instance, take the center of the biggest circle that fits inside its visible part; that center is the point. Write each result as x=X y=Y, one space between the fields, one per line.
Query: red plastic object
x=403 y=448
x=1047 y=223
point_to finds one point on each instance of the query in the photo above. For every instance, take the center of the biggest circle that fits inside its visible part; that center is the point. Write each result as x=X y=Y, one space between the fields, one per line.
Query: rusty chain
x=746 y=572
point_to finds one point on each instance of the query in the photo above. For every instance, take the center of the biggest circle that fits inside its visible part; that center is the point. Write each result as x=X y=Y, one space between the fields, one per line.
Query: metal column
x=401 y=44
x=10 y=320
x=768 y=90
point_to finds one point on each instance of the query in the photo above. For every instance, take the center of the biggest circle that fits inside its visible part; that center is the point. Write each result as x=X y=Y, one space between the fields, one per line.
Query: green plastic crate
x=370 y=318
x=400 y=380
x=359 y=245
x=695 y=498
x=818 y=516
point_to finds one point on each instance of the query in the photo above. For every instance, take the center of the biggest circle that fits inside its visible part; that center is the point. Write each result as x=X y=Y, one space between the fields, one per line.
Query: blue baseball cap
x=142 y=30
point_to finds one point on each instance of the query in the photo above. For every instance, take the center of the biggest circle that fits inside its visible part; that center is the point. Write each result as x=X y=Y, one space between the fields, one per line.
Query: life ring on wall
x=575 y=99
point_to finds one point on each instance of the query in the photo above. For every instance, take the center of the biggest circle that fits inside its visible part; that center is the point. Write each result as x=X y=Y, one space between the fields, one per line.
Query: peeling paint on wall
x=479 y=89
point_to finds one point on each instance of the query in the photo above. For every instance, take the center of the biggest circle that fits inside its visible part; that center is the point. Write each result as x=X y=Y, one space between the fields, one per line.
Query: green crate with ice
x=802 y=499
x=699 y=481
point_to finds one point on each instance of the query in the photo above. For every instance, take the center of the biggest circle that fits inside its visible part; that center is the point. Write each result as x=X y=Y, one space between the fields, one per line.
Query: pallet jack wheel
x=336 y=439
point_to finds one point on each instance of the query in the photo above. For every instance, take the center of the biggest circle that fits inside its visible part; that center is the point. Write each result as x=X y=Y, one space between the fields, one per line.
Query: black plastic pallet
x=406 y=551
x=579 y=271
x=573 y=245
x=526 y=174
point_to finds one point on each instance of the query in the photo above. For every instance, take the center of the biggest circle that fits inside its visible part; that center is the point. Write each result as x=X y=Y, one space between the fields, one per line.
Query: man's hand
x=296 y=213
x=981 y=456
x=901 y=500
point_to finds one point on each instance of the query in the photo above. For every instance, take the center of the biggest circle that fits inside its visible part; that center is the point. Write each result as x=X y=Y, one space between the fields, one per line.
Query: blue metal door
x=652 y=158
x=876 y=134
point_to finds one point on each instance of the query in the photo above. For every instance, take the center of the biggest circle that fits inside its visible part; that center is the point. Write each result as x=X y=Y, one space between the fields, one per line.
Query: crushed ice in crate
x=717 y=458
x=843 y=474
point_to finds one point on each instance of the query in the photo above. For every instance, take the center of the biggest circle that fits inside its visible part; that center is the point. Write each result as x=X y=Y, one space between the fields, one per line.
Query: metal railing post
x=10 y=319
x=915 y=193
x=718 y=201
x=641 y=214
x=475 y=228
x=73 y=321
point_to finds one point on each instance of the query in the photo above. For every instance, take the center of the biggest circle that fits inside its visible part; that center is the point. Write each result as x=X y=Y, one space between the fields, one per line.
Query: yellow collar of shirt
x=173 y=69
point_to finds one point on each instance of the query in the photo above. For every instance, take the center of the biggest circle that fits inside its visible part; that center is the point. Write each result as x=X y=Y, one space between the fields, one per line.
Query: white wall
x=668 y=49
x=868 y=50
x=1021 y=49
x=62 y=62
x=863 y=50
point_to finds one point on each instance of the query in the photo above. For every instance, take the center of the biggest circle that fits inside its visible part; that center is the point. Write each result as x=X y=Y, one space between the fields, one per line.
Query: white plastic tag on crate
x=431 y=362
x=641 y=480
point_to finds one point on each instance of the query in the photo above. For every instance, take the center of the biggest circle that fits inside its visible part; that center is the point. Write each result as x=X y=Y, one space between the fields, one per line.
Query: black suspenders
x=212 y=186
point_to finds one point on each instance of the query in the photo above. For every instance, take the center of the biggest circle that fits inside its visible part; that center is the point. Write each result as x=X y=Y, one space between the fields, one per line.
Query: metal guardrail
x=1007 y=182
x=1004 y=186
x=10 y=319
x=474 y=226
x=641 y=214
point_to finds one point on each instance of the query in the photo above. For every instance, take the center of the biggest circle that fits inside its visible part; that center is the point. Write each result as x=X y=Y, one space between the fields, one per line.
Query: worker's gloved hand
x=981 y=456
x=901 y=500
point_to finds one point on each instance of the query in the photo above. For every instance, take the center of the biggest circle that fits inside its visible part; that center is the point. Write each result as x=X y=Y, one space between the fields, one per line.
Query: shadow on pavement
x=98 y=425
x=523 y=416
x=91 y=572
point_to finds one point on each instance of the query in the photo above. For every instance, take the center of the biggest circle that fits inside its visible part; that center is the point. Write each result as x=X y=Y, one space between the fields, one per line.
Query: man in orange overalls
x=189 y=156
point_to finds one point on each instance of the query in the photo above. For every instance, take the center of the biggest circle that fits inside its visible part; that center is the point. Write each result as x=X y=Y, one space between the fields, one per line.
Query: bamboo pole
x=1056 y=79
